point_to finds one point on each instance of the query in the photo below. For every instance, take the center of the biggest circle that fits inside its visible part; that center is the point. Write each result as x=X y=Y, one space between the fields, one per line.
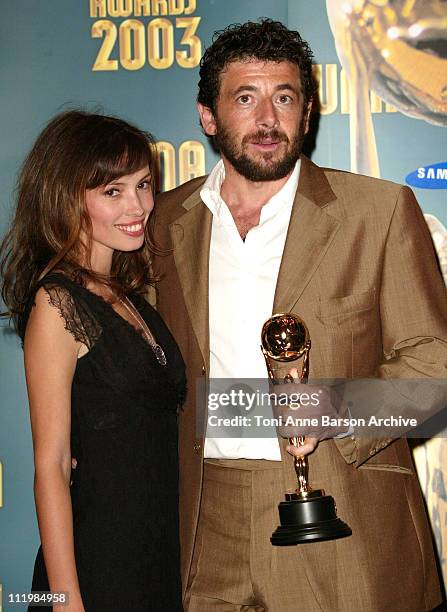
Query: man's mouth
x=266 y=145
x=266 y=141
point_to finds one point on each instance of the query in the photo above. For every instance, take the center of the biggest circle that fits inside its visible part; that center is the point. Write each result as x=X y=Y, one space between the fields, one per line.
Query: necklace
x=158 y=351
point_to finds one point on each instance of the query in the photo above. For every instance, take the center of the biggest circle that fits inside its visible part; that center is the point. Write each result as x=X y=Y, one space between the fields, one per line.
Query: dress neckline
x=110 y=308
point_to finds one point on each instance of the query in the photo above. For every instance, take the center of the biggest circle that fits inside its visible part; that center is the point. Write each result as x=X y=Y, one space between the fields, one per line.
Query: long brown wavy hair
x=76 y=151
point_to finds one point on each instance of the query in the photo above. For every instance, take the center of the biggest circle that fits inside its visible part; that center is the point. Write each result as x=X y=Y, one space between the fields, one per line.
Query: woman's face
x=118 y=213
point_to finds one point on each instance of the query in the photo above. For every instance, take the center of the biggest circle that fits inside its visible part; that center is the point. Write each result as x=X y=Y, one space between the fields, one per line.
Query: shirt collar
x=210 y=192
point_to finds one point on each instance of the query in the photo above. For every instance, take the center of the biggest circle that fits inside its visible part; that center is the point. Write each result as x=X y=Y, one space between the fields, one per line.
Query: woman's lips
x=132 y=229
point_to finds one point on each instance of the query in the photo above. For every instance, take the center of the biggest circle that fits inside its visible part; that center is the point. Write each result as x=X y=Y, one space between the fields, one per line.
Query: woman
x=104 y=375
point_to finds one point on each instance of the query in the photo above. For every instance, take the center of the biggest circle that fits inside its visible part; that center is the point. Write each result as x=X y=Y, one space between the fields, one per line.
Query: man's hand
x=302 y=417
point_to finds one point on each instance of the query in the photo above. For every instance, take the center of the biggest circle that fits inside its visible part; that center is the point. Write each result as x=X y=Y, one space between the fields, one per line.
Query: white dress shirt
x=242 y=284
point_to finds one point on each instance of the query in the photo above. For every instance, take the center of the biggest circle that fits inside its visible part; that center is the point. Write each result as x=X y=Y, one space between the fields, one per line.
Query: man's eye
x=243 y=99
x=284 y=99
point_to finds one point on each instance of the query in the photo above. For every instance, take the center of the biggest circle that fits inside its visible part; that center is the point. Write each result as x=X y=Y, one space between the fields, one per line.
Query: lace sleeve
x=78 y=319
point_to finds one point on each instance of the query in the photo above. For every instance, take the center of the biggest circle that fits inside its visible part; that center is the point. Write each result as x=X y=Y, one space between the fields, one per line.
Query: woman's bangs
x=120 y=158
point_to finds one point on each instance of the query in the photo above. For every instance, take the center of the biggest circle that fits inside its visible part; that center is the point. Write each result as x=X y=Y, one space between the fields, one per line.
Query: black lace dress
x=124 y=436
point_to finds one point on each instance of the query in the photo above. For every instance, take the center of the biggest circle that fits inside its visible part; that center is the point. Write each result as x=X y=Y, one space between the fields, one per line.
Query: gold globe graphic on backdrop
x=403 y=44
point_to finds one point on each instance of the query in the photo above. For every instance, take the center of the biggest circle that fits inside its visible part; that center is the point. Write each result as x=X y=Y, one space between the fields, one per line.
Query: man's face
x=260 y=122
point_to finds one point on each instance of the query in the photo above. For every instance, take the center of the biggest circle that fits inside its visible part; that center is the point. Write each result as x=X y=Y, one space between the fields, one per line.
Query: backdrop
x=383 y=86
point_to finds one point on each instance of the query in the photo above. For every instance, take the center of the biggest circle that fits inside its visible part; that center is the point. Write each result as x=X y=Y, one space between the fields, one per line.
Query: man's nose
x=267 y=115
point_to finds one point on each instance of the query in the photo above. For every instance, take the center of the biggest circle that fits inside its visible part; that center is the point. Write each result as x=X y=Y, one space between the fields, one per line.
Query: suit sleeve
x=414 y=326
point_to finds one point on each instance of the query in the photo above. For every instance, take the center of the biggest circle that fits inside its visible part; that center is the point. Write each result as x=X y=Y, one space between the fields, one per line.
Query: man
x=269 y=231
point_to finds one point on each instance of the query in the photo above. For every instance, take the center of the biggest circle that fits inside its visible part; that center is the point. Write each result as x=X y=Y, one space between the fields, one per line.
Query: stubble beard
x=268 y=168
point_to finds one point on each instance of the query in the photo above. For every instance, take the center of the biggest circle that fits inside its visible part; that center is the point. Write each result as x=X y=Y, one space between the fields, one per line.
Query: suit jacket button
x=203 y=370
x=197 y=447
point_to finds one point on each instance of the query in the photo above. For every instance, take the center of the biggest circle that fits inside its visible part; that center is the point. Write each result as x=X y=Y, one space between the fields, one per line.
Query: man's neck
x=238 y=191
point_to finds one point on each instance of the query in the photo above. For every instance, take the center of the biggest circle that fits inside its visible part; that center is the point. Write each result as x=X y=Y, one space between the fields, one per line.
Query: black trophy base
x=313 y=519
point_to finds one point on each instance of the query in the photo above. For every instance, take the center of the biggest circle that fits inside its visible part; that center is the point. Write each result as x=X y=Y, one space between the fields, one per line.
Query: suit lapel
x=191 y=236
x=311 y=231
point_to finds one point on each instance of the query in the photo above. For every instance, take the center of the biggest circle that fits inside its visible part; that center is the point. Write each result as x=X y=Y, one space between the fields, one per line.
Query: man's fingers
x=310 y=444
x=293 y=372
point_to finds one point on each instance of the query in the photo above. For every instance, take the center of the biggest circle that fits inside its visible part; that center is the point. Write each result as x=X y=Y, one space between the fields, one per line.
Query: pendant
x=159 y=354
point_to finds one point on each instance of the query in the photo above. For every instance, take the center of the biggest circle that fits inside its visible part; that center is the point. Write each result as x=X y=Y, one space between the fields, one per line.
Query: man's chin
x=275 y=156
x=267 y=168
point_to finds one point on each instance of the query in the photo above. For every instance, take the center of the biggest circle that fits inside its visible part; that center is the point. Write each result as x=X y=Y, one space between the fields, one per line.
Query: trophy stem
x=301 y=467
x=300 y=463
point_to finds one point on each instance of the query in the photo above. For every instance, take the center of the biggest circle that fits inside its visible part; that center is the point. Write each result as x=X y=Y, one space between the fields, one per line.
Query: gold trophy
x=307 y=515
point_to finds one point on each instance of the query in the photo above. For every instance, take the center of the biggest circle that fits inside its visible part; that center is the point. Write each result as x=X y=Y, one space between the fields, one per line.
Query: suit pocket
x=351 y=328
x=339 y=308
x=385 y=467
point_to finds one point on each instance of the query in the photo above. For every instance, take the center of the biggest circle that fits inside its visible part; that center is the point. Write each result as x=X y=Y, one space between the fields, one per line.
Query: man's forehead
x=237 y=72
x=252 y=63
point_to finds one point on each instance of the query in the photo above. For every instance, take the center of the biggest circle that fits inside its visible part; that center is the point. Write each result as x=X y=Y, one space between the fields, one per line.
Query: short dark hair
x=266 y=40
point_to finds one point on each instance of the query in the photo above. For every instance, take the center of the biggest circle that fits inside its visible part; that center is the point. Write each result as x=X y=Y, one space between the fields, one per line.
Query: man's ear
x=307 y=111
x=207 y=119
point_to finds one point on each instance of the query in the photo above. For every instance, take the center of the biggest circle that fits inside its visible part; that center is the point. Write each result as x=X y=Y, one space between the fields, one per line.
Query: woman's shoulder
x=58 y=295
x=61 y=293
x=45 y=328
x=59 y=280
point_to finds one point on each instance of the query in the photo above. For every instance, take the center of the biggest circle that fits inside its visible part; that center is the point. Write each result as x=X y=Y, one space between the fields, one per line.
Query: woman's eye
x=111 y=192
x=146 y=184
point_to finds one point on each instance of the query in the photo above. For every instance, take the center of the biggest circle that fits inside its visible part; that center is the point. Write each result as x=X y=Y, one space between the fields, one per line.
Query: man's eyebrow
x=280 y=87
x=283 y=86
x=245 y=88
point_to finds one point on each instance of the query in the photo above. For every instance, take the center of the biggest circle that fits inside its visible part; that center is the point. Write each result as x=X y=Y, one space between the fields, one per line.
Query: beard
x=266 y=167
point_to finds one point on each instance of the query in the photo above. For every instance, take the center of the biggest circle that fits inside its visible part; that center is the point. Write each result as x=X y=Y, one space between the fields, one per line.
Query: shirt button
x=197 y=446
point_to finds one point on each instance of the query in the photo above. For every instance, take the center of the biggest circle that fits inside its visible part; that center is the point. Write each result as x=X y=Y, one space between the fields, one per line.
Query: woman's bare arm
x=51 y=353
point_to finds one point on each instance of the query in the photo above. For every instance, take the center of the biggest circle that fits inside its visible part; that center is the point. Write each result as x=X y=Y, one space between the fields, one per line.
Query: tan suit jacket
x=359 y=268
